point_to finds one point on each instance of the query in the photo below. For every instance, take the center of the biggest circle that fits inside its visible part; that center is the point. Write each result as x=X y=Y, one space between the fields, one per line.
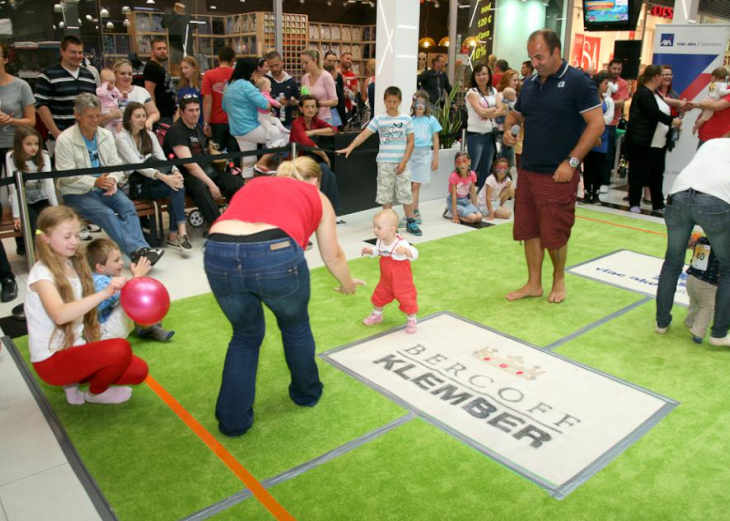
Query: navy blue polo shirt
x=553 y=113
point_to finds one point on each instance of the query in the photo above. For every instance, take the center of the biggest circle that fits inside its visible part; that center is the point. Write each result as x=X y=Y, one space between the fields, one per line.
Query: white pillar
x=685 y=11
x=396 y=50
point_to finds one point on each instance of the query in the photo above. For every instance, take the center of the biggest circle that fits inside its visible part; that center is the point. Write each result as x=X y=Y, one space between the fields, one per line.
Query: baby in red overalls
x=396 y=277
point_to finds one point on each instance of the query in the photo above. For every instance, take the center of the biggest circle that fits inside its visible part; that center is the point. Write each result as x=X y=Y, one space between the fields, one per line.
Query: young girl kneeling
x=63 y=330
x=496 y=191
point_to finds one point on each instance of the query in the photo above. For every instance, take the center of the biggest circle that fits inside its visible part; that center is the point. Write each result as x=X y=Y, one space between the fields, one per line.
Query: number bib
x=701 y=257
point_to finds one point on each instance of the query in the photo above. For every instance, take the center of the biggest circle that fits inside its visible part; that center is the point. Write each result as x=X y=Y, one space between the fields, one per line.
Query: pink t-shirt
x=463 y=184
x=621 y=94
x=324 y=89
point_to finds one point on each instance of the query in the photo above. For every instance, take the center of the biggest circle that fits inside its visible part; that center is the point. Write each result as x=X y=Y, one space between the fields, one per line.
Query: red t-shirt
x=718 y=126
x=299 y=131
x=291 y=205
x=214 y=83
x=496 y=78
x=350 y=79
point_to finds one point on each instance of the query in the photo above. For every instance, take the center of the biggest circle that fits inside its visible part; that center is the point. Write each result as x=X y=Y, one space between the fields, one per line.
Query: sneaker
x=341 y=222
x=417 y=214
x=152 y=254
x=645 y=200
x=411 y=326
x=725 y=341
x=448 y=214
x=93 y=228
x=696 y=339
x=660 y=330
x=9 y=290
x=603 y=189
x=412 y=228
x=635 y=209
x=263 y=170
x=403 y=222
x=84 y=234
x=373 y=318
x=181 y=244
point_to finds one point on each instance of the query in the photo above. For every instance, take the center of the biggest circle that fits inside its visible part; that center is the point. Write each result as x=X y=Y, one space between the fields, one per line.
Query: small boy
x=701 y=288
x=718 y=90
x=396 y=277
x=106 y=262
x=109 y=97
x=396 y=146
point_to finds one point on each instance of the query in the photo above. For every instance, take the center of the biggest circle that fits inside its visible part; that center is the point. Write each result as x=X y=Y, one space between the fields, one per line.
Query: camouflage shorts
x=393 y=188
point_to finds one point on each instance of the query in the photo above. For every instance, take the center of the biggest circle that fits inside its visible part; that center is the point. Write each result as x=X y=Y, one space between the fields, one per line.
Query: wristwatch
x=574 y=162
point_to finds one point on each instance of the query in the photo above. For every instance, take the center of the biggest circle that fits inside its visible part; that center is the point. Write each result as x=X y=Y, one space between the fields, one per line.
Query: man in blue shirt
x=563 y=120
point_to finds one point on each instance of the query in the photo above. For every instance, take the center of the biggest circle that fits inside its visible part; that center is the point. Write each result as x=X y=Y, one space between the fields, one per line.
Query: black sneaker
x=152 y=254
x=9 y=291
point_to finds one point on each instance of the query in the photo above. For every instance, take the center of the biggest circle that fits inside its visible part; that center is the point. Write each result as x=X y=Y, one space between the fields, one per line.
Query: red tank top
x=291 y=205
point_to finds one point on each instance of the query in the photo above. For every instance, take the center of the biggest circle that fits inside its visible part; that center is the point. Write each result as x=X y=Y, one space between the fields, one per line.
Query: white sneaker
x=84 y=234
x=603 y=189
x=720 y=342
x=660 y=330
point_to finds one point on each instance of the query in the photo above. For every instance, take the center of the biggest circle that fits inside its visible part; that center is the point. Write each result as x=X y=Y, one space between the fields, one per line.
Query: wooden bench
x=7 y=229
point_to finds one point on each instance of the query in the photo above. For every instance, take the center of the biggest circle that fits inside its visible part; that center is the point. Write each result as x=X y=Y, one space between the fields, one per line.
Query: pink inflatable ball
x=145 y=300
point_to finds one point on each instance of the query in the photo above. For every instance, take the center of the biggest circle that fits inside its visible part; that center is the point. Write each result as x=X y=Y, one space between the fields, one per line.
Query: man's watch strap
x=574 y=162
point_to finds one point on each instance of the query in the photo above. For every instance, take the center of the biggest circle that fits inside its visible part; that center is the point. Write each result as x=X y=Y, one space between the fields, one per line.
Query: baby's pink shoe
x=411 y=326
x=373 y=318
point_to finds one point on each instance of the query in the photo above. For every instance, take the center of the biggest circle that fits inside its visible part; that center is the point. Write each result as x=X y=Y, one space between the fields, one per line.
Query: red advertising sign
x=586 y=52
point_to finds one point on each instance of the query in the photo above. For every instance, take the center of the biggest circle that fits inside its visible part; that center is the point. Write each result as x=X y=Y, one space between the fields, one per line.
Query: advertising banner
x=692 y=51
x=586 y=52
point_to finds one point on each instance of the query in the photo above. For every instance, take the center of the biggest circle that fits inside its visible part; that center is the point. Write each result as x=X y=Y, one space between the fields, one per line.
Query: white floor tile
x=14 y=389
x=53 y=494
x=27 y=445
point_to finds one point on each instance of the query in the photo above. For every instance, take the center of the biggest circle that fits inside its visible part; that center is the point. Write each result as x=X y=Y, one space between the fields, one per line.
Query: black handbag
x=140 y=186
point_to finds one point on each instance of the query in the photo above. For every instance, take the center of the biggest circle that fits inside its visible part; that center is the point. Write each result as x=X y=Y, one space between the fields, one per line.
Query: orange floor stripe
x=258 y=490
x=622 y=226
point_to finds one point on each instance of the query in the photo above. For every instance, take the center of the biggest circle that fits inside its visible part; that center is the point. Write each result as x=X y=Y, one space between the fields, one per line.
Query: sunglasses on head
x=190 y=96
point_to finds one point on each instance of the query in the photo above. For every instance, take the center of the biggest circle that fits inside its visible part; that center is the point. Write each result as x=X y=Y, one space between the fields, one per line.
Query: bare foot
x=558 y=293
x=527 y=291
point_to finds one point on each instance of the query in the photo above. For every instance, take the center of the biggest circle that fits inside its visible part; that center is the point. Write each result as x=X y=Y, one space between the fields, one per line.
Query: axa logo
x=667 y=40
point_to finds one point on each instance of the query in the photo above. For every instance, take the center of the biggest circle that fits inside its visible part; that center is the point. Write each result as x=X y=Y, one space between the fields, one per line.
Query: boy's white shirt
x=719 y=90
x=384 y=250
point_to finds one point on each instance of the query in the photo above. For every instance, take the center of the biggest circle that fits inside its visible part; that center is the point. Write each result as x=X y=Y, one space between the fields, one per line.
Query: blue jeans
x=243 y=277
x=463 y=206
x=176 y=208
x=481 y=150
x=114 y=213
x=684 y=211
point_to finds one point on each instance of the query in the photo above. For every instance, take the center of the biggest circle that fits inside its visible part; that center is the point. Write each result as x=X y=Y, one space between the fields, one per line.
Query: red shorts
x=544 y=209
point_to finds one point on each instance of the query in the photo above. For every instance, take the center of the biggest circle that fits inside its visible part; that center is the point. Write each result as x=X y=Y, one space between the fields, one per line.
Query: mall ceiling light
x=444 y=42
x=126 y=10
x=58 y=8
x=104 y=13
x=89 y=18
x=61 y=25
x=126 y=23
x=109 y=25
x=329 y=3
x=426 y=42
x=436 y=4
x=150 y=1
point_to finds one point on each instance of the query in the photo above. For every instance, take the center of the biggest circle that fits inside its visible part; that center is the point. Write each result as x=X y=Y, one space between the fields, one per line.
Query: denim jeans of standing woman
x=243 y=277
x=481 y=148
x=685 y=210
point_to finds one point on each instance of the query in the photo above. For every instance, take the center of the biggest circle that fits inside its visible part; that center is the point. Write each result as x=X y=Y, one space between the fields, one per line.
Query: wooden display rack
x=359 y=40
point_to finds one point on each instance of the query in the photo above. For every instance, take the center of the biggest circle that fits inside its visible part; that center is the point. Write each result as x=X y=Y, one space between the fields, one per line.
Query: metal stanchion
x=463 y=140
x=25 y=219
x=293 y=150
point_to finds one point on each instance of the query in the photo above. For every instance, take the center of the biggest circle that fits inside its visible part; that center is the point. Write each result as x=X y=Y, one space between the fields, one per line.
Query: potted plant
x=450 y=120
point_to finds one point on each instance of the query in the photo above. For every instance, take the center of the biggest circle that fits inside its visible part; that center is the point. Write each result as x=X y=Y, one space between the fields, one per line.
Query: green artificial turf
x=151 y=466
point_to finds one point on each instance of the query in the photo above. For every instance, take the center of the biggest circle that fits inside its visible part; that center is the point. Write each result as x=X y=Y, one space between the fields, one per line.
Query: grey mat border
x=558 y=492
x=597 y=323
x=293 y=472
x=645 y=293
x=102 y=506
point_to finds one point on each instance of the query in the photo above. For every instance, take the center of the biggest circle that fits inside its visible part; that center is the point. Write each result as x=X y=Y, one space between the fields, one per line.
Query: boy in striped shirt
x=395 y=130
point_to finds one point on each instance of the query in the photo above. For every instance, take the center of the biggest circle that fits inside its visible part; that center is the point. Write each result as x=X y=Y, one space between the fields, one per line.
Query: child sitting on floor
x=396 y=277
x=105 y=259
x=701 y=288
x=461 y=203
x=496 y=191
